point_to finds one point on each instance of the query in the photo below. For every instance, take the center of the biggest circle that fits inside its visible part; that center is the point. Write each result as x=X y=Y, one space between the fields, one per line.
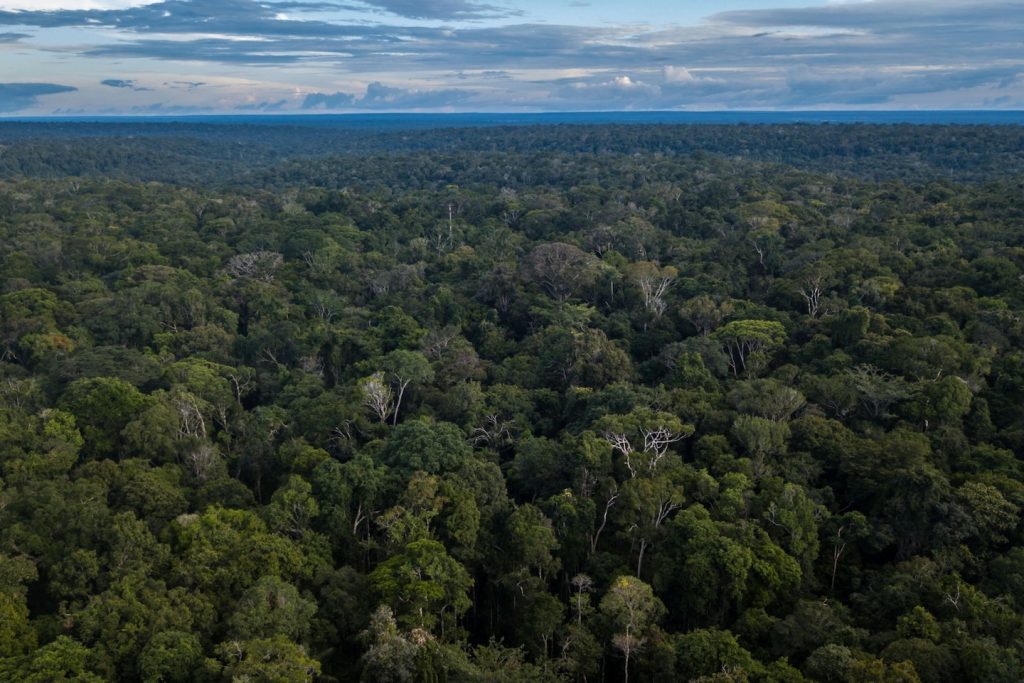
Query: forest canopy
x=721 y=403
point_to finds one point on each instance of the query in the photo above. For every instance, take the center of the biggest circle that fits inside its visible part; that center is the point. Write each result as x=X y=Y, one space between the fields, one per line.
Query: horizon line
x=451 y=114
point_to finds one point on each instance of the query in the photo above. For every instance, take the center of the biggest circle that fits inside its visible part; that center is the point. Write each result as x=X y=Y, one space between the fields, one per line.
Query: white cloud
x=49 y=5
x=678 y=74
x=829 y=53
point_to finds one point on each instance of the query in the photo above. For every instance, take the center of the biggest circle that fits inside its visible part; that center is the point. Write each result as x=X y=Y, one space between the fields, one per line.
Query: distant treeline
x=247 y=154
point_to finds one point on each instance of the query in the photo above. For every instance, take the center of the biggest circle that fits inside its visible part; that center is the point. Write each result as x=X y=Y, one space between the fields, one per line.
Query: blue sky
x=314 y=56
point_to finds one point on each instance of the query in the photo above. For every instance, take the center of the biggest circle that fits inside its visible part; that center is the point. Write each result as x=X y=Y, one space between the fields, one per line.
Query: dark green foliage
x=543 y=404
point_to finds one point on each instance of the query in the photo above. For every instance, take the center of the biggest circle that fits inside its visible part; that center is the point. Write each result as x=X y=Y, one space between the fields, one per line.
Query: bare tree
x=191 y=424
x=658 y=431
x=377 y=396
x=582 y=585
x=201 y=461
x=437 y=341
x=405 y=368
x=813 y=291
x=255 y=265
x=657 y=441
x=838 y=548
x=496 y=431
x=324 y=306
x=654 y=282
x=442 y=235
x=613 y=495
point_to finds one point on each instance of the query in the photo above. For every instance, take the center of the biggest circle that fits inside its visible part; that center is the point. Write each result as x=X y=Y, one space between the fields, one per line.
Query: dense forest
x=719 y=403
x=227 y=155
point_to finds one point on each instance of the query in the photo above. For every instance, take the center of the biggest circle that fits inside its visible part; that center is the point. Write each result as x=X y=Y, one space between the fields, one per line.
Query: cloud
x=248 y=17
x=487 y=75
x=884 y=15
x=858 y=86
x=382 y=97
x=188 y=85
x=677 y=74
x=839 y=54
x=12 y=37
x=51 y=5
x=443 y=9
x=252 y=52
x=167 y=109
x=319 y=100
x=263 y=106
x=614 y=88
x=231 y=17
x=119 y=83
x=15 y=96
x=599 y=92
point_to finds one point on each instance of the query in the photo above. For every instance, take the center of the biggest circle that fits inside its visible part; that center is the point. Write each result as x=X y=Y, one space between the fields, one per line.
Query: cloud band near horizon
x=397 y=55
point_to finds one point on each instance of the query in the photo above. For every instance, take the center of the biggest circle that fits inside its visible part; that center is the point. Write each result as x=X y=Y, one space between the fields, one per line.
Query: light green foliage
x=749 y=343
x=706 y=652
x=422 y=582
x=271 y=607
x=793 y=520
x=37 y=447
x=767 y=398
x=63 y=660
x=632 y=608
x=531 y=541
x=16 y=634
x=760 y=437
x=292 y=508
x=267 y=660
x=171 y=656
x=223 y=552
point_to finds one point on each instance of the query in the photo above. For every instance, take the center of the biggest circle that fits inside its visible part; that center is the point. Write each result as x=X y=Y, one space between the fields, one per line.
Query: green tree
x=749 y=343
x=268 y=660
x=945 y=401
x=422 y=583
x=102 y=407
x=405 y=368
x=632 y=607
x=64 y=660
x=390 y=656
x=171 y=656
x=706 y=652
x=531 y=541
x=432 y=447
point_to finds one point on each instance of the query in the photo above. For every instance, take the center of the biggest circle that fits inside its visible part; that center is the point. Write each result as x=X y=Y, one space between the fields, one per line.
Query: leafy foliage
x=589 y=405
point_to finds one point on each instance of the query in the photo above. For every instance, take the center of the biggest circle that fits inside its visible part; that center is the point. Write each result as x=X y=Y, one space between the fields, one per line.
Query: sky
x=102 y=57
